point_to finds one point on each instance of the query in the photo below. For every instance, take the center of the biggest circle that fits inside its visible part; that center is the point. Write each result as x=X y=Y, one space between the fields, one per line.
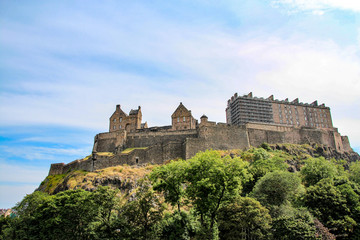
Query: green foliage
x=336 y=204
x=316 y=169
x=297 y=226
x=139 y=218
x=355 y=172
x=212 y=180
x=170 y=179
x=178 y=226
x=266 y=146
x=205 y=196
x=277 y=188
x=244 y=218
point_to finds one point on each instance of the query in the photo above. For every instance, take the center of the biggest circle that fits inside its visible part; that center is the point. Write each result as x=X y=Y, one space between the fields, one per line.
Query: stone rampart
x=110 y=141
x=149 y=138
x=161 y=144
x=56 y=168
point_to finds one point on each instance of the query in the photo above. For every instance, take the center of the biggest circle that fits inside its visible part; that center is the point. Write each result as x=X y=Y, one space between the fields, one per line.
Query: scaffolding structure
x=244 y=109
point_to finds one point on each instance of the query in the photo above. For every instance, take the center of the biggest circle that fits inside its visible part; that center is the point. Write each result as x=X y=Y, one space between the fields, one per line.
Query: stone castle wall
x=161 y=145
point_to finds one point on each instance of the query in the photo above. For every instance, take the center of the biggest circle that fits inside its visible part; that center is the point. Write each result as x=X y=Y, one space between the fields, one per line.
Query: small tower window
x=120 y=119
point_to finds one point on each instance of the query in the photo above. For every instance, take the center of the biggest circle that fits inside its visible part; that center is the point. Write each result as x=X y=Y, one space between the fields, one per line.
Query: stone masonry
x=130 y=142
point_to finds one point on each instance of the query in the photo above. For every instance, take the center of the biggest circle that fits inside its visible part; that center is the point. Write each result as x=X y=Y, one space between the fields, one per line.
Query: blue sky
x=64 y=65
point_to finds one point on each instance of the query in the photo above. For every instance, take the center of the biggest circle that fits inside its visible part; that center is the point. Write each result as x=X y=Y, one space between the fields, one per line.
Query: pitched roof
x=181 y=110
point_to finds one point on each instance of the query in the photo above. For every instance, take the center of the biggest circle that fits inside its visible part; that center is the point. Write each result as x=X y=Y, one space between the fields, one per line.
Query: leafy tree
x=316 y=169
x=140 y=216
x=67 y=215
x=297 y=226
x=169 y=179
x=245 y=218
x=277 y=188
x=355 y=172
x=335 y=206
x=211 y=180
x=178 y=226
x=107 y=201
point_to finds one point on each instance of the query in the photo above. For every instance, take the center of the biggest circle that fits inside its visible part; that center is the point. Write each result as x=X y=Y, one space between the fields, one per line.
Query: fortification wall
x=217 y=136
x=56 y=168
x=165 y=145
x=346 y=144
x=148 y=138
x=109 y=142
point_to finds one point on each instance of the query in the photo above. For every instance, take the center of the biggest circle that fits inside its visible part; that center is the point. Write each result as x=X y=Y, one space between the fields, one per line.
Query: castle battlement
x=129 y=142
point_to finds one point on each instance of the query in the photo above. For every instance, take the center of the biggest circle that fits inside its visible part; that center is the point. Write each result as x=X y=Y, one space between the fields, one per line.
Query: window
x=114 y=127
x=120 y=127
x=178 y=119
x=184 y=119
x=114 y=120
x=120 y=119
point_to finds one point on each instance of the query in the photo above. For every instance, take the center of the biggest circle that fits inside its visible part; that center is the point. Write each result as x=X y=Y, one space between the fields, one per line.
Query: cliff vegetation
x=271 y=192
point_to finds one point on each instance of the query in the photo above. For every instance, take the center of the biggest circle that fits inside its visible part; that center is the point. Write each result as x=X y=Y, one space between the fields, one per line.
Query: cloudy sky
x=64 y=65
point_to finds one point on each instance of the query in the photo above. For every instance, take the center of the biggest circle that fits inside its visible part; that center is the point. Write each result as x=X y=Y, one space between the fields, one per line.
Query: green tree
x=316 y=169
x=335 y=204
x=139 y=217
x=107 y=202
x=212 y=180
x=169 y=179
x=245 y=218
x=355 y=172
x=297 y=226
x=178 y=226
x=277 y=188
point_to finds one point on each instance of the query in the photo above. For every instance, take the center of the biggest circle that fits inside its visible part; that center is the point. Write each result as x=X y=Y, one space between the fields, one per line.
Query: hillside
x=280 y=191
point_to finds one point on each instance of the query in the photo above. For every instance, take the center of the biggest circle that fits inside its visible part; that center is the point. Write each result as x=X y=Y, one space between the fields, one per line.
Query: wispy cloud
x=318 y=7
x=43 y=153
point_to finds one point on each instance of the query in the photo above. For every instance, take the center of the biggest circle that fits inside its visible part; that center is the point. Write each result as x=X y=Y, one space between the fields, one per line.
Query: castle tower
x=119 y=120
x=182 y=119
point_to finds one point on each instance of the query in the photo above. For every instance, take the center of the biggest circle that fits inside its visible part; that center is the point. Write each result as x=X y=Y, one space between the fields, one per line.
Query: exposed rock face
x=124 y=178
x=305 y=151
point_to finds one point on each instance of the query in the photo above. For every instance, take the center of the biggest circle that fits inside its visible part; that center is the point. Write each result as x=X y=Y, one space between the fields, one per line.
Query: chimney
x=118 y=107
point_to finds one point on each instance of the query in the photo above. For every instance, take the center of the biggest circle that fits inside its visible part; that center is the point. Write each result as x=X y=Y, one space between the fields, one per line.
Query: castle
x=250 y=122
x=243 y=109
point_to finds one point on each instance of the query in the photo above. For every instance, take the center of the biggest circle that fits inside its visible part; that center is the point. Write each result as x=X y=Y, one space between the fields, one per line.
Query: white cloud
x=318 y=7
x=44 y=153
